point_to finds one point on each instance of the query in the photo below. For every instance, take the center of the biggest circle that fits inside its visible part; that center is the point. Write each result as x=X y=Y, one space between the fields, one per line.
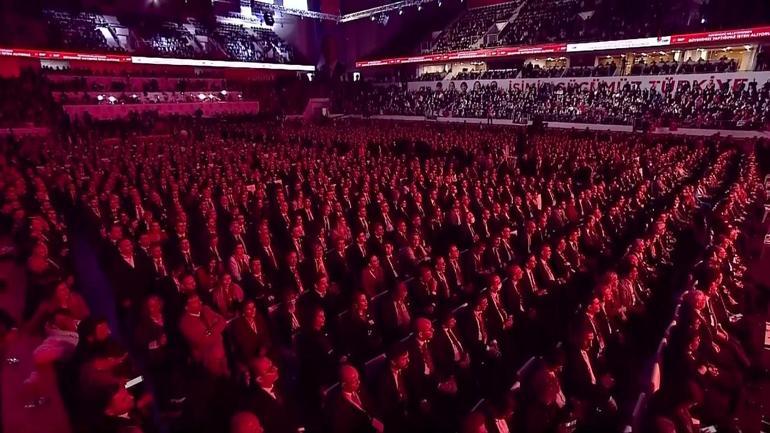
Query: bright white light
x=223 y=92
x=419 y=8
x=112 y=99
x=134 y=96
x=400 y=11
x=703 y=20
x=439 y=4
x=100 y=98
x=201 y=96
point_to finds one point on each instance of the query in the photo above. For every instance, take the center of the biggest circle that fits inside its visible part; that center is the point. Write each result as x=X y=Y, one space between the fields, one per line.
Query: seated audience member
x=351 y=411
x=266 y=397
x=202 y=329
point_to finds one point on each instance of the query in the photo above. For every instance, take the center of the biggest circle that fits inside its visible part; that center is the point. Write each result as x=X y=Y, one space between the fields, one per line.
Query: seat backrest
x=639 y=409
x=655 y=377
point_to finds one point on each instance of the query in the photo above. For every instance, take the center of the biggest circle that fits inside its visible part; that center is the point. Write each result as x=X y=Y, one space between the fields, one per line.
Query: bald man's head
x=264 y=371
x=424 y=329
x=245 y=422
x=349 y=378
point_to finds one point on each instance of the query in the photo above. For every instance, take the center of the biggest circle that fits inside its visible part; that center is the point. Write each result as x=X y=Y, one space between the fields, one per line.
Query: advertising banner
x=657 y=82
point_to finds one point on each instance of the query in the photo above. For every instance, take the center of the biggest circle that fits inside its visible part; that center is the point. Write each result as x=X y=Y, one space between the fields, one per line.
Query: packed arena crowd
x=382 y=277
x=746 y=106
x=541 y=21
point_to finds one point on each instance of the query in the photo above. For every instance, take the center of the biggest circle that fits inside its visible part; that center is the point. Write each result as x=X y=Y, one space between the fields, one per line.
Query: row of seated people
x=536 y=71
x=254 y=45
x=542 y=21
x=489 y=74
x=168 y=40
x=463 y=33
x=689 y=67
x=275 y=259
x=431 y=76
x=115 y=98
x=122 y=84
x=707 y=355
x=606 y=69
x=742 y=107
x=159 y=72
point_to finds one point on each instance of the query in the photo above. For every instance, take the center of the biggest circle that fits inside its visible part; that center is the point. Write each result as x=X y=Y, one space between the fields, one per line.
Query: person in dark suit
x=234 y=237
x=391 y=267
x=449 y=353
x=546 y=279
x=424 y=292
x=357 y=252
x=513 y=295
x=360 y=335
x=494 y=257
x=377 y=241
x=339 y=268
x=268 y=255
x=256 y=285
x=373 y=277
x=351 y=410
x=291 y=277
x=526 y=241
x=315 y=266
x=530 y=284
x=594 y=319
x=317 y=356
x=499 y=319
x=319 y=297
x=583 y=378
x=395 y=317
x=266 y=398
x=468 y=234
x=475 y=269
x=287 y=319
x=130 y=276
x=455 y=276
x=394 y=390
x=561 y=266
x=249 y=334
x=120 y=412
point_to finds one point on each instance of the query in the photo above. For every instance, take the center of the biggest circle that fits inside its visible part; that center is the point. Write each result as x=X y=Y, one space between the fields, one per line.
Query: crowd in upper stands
x=542 y=21
x=465 y=32
x=746 y=106
x=603 y=69
x=380 y=277
x=186 y=39
x=79 y=30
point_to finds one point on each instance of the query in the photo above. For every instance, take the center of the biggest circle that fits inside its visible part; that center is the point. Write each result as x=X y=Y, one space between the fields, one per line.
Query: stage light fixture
x=400 y=11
